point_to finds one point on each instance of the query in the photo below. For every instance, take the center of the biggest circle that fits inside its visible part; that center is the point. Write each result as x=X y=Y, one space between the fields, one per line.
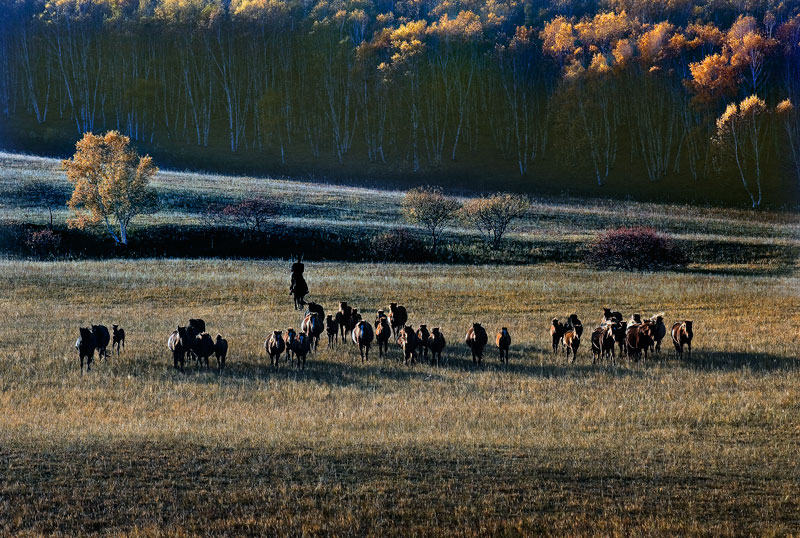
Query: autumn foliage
x=110 y=183
x=564 y=88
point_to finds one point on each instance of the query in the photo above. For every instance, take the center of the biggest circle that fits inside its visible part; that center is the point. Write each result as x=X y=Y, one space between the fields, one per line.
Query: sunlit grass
x=706 y=446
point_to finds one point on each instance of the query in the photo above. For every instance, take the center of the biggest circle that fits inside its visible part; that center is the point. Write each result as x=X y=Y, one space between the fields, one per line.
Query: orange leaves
x=558 y=37
x=110 y=181
x=654 y=44
x=713 y=78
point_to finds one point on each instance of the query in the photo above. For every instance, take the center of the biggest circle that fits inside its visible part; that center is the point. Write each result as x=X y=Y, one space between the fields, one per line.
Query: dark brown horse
x=85 y=344
x=275 y=345
x=221 y=352
x=422 y=338
x=118 y=338
x=362 y=336
x=436 y=344
x=332 y=330
x=343 y=318
x=557 y=331
x=102 y=338
x=476 y=340
x=301 y=347
x=382 y=334
x=638 y=339
x=312 y=327
x=503 y=341
x=409 y=343
x=398 y=316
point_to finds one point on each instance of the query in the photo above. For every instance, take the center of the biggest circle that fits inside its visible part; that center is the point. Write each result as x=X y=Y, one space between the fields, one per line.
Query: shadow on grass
x=527 y=361
x=728 y=361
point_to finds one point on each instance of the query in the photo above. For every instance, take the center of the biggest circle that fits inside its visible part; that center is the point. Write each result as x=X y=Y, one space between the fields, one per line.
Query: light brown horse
x=682 y=333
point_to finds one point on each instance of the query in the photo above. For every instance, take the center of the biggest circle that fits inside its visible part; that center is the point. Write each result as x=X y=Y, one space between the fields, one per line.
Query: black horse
x=298 y=287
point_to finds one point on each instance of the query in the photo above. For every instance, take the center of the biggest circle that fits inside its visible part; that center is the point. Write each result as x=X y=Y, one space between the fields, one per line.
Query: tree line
x=644 y=85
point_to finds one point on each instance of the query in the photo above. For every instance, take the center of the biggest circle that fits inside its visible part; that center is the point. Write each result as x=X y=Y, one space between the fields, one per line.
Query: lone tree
x=739 y=142
x=111 y=183
x=252 y=214
x=494 y=215
x=431 y=209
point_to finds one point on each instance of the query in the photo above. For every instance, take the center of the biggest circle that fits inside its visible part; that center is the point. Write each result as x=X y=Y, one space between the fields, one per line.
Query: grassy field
x=718 y=240
x=706 y=446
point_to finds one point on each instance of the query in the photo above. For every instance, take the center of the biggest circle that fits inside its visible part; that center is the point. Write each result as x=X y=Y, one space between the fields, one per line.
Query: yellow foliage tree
x=431 y=209
x=739 y=141
x=494 y=215
x=111 y=183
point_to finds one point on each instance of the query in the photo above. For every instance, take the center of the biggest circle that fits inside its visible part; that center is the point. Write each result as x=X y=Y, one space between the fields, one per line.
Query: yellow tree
x=430 y=208
x=111 y=183
x=493 y=216
x=739 y=142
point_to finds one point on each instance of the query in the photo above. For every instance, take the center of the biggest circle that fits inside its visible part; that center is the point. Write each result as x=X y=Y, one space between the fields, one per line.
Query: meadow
x=706 y=446
x=703 y=446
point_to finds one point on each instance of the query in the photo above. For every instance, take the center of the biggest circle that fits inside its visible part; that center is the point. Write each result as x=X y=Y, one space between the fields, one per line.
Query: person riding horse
x=298 y=287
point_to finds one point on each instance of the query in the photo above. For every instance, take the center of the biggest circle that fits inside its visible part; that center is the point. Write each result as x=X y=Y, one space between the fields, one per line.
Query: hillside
x=340 y=221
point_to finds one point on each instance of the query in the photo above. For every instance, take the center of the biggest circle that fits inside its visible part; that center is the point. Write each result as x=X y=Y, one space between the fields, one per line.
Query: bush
x=394 y=245
x=43 y=243
x=635 y=249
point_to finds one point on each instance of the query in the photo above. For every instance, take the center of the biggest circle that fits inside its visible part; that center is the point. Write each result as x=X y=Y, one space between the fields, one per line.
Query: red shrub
x=636 y=248
x=43 y=243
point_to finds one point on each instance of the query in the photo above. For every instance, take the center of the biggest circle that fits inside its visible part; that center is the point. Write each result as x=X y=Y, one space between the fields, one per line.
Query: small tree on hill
x=494 y=215
x=431 y=209
x=252 y=214
x=111 y=183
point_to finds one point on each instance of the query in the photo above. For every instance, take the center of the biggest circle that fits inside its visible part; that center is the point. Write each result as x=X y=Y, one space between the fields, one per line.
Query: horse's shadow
x=529 y=361
x=348 y=373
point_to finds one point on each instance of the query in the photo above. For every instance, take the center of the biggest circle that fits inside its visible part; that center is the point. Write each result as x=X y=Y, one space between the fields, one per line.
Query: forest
x=692 y=100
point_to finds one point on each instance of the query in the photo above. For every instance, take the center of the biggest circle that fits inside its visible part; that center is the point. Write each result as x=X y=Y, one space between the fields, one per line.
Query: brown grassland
x=707 y=446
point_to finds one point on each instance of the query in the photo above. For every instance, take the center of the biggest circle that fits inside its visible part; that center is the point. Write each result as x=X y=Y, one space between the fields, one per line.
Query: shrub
x=635 y=248
x=43 y=243
x=394 y=245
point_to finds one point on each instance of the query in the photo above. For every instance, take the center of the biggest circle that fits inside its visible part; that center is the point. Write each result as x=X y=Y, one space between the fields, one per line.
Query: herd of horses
x=633 y=338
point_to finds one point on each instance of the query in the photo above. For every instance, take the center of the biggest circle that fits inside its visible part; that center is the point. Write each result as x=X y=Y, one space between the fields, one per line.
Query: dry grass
x=705 y=447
